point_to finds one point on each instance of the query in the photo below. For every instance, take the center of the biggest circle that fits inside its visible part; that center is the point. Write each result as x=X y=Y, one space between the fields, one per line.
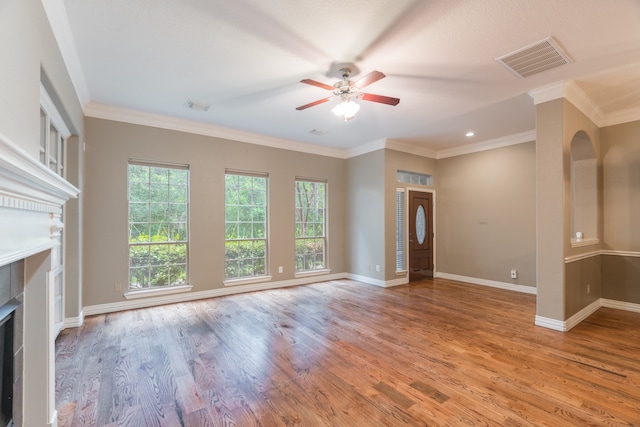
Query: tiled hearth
x=31 y=201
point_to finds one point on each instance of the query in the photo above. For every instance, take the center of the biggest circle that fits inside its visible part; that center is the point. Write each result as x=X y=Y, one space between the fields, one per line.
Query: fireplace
x=6 y=370
x=11 y=343
x=31 y=201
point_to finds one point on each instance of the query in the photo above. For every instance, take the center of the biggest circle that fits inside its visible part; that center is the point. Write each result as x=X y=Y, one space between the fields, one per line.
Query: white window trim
x=402 y=271
x=168 y=289
x=326 y=269
x=47 y=105
x=233 y=281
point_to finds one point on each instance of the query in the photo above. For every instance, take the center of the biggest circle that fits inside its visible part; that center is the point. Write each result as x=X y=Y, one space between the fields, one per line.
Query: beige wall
x=621 y=278
x=582 y=278
x=366 y=215
x=486 y=214
x=550 y=195
x=621 y=181
x=28 y=48
x=565 y=288
x=109 y=146
x=621 y=190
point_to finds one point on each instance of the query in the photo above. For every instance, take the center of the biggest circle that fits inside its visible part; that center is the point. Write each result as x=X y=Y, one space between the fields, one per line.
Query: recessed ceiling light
x=200 y=106
x=470 y=134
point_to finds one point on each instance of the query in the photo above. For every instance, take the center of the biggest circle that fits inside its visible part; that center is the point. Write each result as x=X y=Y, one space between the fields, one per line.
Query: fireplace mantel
x=31 y=200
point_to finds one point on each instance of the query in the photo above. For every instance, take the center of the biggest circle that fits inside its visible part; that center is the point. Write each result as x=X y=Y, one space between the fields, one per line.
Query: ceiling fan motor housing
x=344 y=87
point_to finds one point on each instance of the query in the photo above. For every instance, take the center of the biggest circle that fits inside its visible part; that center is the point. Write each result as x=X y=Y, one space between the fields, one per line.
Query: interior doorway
x=420 y=235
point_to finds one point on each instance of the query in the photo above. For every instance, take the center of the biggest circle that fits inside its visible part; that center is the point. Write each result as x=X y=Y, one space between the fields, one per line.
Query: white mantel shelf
x=31 y=200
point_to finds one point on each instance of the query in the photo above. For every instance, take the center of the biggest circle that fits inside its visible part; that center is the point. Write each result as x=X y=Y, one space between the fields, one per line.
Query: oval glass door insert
x=420 y=224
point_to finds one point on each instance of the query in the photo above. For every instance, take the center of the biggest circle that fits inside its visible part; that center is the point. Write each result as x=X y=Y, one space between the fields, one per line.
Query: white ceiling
x=246 y=57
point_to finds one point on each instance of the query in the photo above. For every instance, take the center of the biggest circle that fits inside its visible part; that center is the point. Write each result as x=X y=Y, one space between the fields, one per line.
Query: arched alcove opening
x=584 y=191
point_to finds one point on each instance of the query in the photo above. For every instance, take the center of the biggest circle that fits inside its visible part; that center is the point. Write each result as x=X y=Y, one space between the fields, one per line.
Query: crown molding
x=59 y=22
x=108 y=112
x=410 y=148
x=624 y=116
x=491 y=144
x=366 y=148
x=570 y=91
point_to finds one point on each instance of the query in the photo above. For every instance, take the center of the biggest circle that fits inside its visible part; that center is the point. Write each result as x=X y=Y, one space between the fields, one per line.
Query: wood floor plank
x=341 y=353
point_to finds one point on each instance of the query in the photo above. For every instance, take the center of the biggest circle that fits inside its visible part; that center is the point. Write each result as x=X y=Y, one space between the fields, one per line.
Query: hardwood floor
x=343 y=353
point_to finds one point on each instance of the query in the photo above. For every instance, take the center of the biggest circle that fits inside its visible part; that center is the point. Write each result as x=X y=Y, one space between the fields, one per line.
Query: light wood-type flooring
x=342 y=353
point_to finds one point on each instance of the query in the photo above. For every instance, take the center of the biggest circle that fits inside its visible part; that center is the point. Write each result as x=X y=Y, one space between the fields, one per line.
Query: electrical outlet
x=117 y=287
x=377 y=267
x=588 y=288
x=280 y=269
x=514 y=274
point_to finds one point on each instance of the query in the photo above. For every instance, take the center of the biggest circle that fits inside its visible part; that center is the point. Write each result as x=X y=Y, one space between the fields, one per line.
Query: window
x=400 y=230
x=245 y=225
x=311 y=237
x=53 y=135
x=158 y=225
x=414 y=178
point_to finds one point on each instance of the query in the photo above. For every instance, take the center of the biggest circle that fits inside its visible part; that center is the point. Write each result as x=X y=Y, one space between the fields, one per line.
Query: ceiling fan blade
x=314 y=103
x=316 y=83
x=380 y=98
x=366 y=80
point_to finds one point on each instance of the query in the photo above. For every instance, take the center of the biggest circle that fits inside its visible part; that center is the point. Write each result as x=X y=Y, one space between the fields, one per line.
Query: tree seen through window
x=158 y=225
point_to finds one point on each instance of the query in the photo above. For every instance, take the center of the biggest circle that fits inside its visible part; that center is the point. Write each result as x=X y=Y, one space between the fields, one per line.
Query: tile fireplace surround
x=31 y=200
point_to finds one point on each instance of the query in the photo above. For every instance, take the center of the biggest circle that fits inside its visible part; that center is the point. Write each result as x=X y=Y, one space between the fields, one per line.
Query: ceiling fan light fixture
x=346 y=109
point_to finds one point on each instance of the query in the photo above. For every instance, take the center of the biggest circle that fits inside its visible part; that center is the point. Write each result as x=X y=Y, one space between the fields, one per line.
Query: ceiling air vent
x=536 y=58
x=199 y=106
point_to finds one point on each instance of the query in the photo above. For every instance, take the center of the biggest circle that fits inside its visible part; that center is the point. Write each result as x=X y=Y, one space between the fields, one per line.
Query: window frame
x=325 y=235
x=50 y=118
x=265 y=275
x=401 y=231
x=55 y=161
x=169 y=287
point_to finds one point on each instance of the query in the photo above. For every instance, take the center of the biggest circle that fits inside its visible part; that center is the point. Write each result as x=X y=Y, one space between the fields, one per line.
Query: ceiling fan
x=345 y=89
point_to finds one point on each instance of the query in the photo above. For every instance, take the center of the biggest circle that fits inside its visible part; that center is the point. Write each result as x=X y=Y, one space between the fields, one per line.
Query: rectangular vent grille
x=536 y=58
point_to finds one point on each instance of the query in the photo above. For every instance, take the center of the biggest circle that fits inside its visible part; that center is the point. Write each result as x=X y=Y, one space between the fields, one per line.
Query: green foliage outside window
x=245 y=226
x=158 y=226
x=310 y=225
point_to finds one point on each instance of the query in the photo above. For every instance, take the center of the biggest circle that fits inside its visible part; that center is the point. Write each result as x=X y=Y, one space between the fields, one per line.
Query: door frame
x=406 y=221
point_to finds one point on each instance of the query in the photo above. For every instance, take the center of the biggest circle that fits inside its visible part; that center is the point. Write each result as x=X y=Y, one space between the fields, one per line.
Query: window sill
x=157 y=291
x=576 y=243
x=246 y=280
x=401 y=273
x=312 y=273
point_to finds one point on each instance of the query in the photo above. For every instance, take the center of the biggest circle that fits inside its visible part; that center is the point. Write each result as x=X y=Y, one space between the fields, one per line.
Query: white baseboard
x=73 y=322
x=558 y=325
x=377 y=282
x=490 y=283
x=54 y=419
x=546 y=322
x=564 y=326
x=620 y=305
x=191 y=296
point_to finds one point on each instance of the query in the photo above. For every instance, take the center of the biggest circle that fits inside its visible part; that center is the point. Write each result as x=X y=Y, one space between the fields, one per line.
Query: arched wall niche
x=584 y=191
